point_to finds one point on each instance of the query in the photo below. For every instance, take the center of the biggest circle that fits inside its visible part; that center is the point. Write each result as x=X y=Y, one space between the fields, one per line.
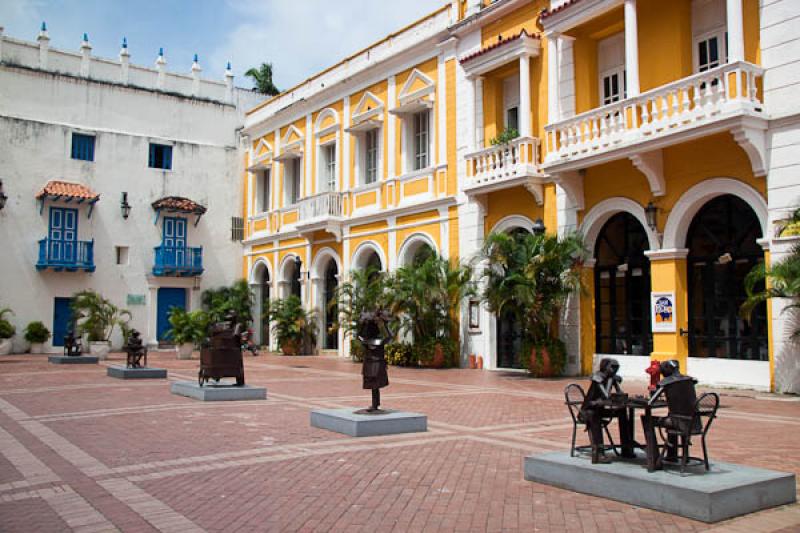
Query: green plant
x=356 y=351
x=262 y=77
x=238 y=298
x=792 y=226
x=505 y=137
x=292 y=323
x=781 y=281
x=556 y=351
x=364 y=290
x=400 y=354
x=531 y=276
x=7 y=329
x=36 y=332
x=187 y=327
x=97 y=317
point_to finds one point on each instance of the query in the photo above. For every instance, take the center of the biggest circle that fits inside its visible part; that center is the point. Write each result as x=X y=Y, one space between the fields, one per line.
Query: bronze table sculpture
x=72 y=344
x=136 y=350
x=221 y=354
x=600 y=403
x=374 y=334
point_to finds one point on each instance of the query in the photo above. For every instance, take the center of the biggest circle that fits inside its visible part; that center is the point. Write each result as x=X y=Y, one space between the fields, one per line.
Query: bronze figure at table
x=221 y=354
x=374 y=333
x=136 y=350
x=72 y=344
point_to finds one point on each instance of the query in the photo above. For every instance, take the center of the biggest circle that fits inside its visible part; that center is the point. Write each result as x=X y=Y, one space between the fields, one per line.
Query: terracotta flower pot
x=545 y=370
x=438 y=356
x=480 y=363
x=473 y=363
x=291 y=347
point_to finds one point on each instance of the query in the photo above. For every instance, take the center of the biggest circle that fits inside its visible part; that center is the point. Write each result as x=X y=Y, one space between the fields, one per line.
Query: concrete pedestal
x=727 y=490
x=122 y=372
x=217 y=393
x=74 y=360
x=348 y=422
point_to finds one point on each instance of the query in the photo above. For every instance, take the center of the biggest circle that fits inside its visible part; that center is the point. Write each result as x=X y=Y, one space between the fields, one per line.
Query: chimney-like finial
x=195 y=58
x=229 y=66
x=85 y=37
x=124 y=42
x=44 y=26
x=161 y=52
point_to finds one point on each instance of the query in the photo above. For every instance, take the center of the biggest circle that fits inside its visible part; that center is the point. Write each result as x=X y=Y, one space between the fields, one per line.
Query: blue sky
x=300 y=37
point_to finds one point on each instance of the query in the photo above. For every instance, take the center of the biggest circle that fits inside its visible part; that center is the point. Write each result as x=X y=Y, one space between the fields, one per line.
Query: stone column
x=257 y=310
x=44 y=46
x=473 y=7
x=525 y=96
x=86 y=56
x=631 y=48
x=668 y=274
x=161 y=67
x=480 y=139
x=553 y=79
x=735 y=22
x=124 y=61
x=472 y=139
x=454 y=9
x=196 y=76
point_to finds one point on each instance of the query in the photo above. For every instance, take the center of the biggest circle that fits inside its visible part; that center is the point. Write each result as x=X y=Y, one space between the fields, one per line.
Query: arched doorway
x=263 y=318
x=292 y=276
x=622 y=288
x=330 y=336
x=723 y=249
x=509 y=329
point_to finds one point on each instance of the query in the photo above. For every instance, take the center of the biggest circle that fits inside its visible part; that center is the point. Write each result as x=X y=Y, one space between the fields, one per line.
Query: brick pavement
x=82 y=452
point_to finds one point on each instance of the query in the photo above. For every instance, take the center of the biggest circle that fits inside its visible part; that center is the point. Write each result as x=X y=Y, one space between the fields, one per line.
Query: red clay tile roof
x=500 y=42
x=179 y=204
x=66 y=189
x=549 y=12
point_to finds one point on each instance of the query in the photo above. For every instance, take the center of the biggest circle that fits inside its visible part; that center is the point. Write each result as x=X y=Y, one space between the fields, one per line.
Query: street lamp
x=538 y=227
x=3 y=197
x=124 y=206
x=651 y=212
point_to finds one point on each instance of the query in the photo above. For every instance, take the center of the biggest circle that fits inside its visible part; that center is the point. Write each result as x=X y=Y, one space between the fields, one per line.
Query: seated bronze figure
x=136 y=350
x=374 y=333
x=221 y=354
x=72 y=344
x=605 y=399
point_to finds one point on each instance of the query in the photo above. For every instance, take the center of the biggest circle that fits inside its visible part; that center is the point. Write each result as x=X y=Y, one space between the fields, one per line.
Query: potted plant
x=187 y=331
x=531 y=276
x=295 y=328
x=505 y=137
x=37 y=334
x=238 y=298
x=363 y=290
x=7 y=331
x=96 y=317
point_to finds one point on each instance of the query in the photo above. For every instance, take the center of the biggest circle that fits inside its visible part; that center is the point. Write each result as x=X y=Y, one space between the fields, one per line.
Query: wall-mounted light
x=124 y=206
x=538 y=227
x=651 y=213
x=3 y=197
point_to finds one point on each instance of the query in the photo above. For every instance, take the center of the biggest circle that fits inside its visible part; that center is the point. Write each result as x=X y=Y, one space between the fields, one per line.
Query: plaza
x=84 y=452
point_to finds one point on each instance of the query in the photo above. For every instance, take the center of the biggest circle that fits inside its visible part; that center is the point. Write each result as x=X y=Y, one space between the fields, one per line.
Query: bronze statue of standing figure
x=221 y=354
x=374 y=333
x=136 y=350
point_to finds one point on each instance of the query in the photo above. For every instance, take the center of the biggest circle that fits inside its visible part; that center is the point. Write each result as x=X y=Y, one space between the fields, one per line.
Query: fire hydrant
x=655 y=375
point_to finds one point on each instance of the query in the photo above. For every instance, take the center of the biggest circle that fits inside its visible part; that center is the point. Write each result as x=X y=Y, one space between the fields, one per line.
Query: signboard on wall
x=136 y=299
x=662 y=312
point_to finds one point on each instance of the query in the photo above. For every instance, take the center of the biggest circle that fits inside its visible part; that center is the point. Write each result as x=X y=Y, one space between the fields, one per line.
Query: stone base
x=727 y=490
x=73 y=360
x=217 y=393
x=122 y=372
x=348 y=422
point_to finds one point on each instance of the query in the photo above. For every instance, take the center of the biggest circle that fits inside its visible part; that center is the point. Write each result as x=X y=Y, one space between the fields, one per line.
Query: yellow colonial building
x=650 y=127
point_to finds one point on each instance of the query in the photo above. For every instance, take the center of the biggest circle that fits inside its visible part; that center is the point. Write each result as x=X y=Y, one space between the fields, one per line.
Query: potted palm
x=531 y=276
x=784 y=282
x=238 y=298
x=188 y=329
x=295 y=327
x=37 y=334
x=363 y=290
x=96 y=317
x=7 y=331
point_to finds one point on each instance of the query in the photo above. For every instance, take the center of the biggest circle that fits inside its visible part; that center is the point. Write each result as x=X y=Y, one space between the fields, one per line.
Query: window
x=292 y=181
x=421 y=140
x=329 y=164
x=512 y=118
x=122 y=254
x=237 y=229
x=371 y=157
x=614 y=87
x=160 y=156
x=83 y=147
x=709 y=53
x=264 y=190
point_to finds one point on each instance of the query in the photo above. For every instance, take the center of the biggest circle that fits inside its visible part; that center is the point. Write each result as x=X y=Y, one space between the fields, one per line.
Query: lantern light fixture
x=651 y=213
x=539 y=227
x=124 y=206
x=3 y=197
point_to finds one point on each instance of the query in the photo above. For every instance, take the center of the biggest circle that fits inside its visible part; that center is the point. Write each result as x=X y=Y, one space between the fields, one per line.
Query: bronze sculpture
x=605 y=399
x=374 y=333
x=136 y=350
x=72 y=344
x=221 y=354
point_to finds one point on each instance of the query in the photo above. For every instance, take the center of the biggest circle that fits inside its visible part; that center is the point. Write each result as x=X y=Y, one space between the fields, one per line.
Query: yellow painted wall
x=665 y=42
x=433 y=229
x=381 y=91
x=515 y=201
x=365 y=228
x=512 y=24
x=417 y=217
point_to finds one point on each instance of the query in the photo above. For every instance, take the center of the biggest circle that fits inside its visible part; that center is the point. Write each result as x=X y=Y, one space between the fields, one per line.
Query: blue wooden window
x=63 y=234
x=83 y=147
x=160 y=156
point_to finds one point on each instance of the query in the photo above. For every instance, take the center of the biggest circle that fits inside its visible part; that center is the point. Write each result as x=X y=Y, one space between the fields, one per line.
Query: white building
x=81 y=136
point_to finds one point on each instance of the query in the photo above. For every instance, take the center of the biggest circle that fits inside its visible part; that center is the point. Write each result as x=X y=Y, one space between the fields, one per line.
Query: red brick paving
x=179 y=465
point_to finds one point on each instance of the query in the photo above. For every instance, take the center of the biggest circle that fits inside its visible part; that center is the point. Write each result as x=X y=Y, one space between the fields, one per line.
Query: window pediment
x=292 y=140
x=370 y=107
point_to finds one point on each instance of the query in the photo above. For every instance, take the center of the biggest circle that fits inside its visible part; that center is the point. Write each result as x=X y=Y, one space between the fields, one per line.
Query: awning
x=67 y=191
x=178 y=204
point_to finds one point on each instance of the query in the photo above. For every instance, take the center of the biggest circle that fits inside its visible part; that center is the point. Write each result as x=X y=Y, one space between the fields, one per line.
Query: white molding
x=252 y=279
x=406 y=96
x=408 y=246
x=754 y=143
x=363 y=249
x=570 y=17
x=667 y=254
x=572 y=183
x=317 y=263
x=524 y=45
x=360 y=113
x=651 y=164
x=285 y=139
x=511 y=222
x=685 y=209
x=601 y=213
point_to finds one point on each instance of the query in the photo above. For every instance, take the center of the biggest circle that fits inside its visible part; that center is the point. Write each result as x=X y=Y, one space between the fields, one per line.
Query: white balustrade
x=320 y=206
x=688 y=102
x=514 y=159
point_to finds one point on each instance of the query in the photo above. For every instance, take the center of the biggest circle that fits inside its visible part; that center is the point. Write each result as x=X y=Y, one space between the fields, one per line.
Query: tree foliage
x=262 y=77
x=781 y=281
x=97 y=317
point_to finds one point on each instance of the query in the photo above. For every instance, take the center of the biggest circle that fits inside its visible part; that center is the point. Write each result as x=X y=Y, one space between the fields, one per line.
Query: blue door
x=62 y=319
x=167 y=299
x=63 y=235
x=174 y=241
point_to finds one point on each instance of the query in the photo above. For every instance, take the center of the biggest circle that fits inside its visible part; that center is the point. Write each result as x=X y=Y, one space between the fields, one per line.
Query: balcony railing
x=178 y=261
x=66 y=255
x=503 y=164
x=320 y=206
x=686 y=103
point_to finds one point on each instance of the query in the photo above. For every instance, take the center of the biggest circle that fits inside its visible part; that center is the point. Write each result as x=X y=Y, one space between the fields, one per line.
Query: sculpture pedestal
x=217 y=393
x=122 y=372
x=73 y=360
x=727 y=490
x=348 y=422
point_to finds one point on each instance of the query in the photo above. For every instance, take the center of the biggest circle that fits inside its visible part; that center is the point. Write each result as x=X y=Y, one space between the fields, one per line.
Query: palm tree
x=784 y=282
x=262 y=77
x=364 y=290
x=238 y=298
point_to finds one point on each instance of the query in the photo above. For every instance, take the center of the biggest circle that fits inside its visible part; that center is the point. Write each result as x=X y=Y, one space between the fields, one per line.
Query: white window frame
x=264 y=190
x=623 y=85
x=327 y=162
x=292 y=184
x=720 y=34
x=510 y=102
x=377 y=150
x=410 y=138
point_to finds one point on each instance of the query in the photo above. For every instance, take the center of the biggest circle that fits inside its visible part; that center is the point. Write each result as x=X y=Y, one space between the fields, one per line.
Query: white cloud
x=302 y=37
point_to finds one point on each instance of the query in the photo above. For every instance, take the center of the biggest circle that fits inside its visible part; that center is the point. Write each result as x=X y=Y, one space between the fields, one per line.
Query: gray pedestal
x=217 y=393
x=122 y=372
x=74 y=360
x=727 y=490
x=359 y=425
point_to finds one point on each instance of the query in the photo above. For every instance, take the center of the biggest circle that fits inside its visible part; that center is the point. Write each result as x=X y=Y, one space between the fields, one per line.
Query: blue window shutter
x=168 y=157
x=152 y=158
x=83 y=147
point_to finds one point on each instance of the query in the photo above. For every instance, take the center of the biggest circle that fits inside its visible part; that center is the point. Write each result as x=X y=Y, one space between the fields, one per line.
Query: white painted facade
x=45 y=96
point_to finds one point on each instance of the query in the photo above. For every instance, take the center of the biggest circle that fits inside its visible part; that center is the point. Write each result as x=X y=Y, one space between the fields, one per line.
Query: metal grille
x=237 y=229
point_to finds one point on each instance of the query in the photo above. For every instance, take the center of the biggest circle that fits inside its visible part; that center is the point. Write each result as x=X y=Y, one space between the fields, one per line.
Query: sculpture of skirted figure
x=374 y=333
x=136 y=350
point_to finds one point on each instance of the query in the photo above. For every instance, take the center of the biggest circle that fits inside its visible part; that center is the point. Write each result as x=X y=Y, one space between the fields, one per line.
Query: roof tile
x=68 y=190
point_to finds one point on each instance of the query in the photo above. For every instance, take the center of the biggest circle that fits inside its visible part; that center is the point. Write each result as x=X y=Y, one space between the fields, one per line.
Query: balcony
x=321 y=212
x=178 y=261
x=721 y=99
x=70 y=256
x=504 y=166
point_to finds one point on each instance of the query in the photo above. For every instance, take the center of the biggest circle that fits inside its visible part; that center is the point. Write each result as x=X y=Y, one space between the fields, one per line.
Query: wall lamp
x=538 y=227
x=124 y=206
x=651 y=213
x=3 y=197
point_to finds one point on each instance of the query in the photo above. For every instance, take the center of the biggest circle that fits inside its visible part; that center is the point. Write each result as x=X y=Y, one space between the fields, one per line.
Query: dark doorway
x=330 y=312
x=265 y=295
x=509 y=330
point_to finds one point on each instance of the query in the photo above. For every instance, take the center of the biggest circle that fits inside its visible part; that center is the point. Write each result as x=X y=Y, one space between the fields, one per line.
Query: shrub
x=36 y=332
x=97 y=317
x=424 y=351
x=7 y=329
x=293 y=325
x=187 y=327
x=556 y=350
x=400 y=354
x=508 y=135
x=356 y=351
x=237 y=298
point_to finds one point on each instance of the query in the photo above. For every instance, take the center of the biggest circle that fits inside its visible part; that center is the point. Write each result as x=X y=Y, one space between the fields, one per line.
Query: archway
x=329 y=309
x=723 y=249
x=509 y=338
x=290 y=277
x=416 y=249
x=261 y=285
x=622 y=288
